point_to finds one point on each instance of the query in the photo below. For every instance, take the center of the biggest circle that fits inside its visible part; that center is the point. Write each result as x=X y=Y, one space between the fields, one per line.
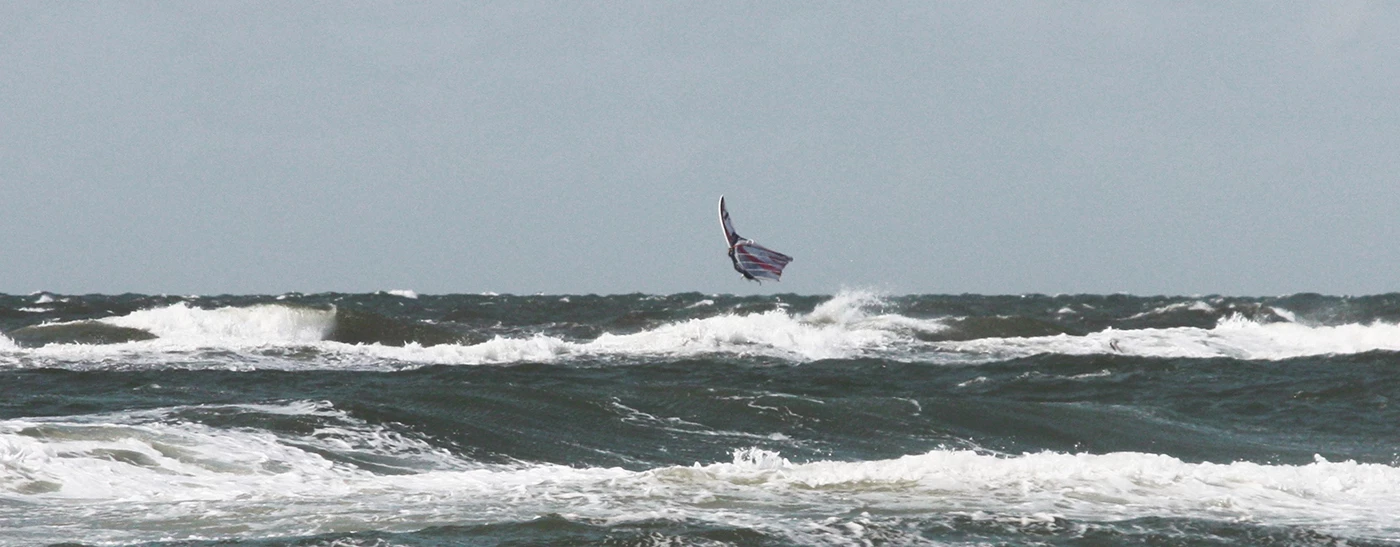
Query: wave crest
x=849 y=325
x=256 y=324
x=1234 y=336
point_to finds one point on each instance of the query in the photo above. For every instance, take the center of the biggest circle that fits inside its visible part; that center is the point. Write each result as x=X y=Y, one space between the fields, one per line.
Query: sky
x=1180 y=148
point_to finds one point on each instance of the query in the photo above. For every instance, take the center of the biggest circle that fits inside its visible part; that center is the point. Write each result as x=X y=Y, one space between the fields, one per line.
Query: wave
x=75 y=332
x=849 y=325
x=181 y=323
x=1235 y=337
x=235 y=326
x=1342 y=497
x=843 y=326
x=257 y=324
x=62 y=457
x=279 y=469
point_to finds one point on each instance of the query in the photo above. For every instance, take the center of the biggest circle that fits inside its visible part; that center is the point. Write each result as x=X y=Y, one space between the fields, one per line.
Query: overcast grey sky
x=569 y=147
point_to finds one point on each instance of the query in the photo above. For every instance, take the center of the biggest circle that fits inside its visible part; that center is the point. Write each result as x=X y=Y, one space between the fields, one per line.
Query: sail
x=758 y=262
x=750 y=259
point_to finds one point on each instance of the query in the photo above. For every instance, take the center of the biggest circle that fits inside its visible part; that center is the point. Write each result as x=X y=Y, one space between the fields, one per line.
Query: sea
x=858 y=418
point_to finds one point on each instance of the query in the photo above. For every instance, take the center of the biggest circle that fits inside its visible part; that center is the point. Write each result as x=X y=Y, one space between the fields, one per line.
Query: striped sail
x=750 y=259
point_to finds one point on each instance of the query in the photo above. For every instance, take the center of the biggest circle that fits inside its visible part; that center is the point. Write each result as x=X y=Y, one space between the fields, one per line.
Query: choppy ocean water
x=850 y=419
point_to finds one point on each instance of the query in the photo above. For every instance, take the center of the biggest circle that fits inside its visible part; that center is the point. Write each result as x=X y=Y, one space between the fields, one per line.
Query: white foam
x=132 y=455
x=843 y=327
x=257 y=324
x=1285 y=314
x=852 y=309
x=850 y=325
x=773 y=333
x=143 y=476
x=1234 y=336
x=1344 y=497
x=189 y=337
x=498 y=350
x=1197 y=305
x=160 y=474
x=404 y=293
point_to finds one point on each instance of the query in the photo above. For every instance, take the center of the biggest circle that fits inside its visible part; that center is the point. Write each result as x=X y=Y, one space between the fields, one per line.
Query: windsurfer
x=740 y=269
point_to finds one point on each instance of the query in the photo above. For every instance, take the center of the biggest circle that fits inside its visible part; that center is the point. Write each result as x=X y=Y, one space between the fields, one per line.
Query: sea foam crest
x=257 y=324
x=774 y=333
x=1234 y=336
x=154 y=469
x=851 y=324
x=848 y=325
x=843 y=327
x=856 y=309
x=1344 y=496
x=160 y=470
x=131 y=455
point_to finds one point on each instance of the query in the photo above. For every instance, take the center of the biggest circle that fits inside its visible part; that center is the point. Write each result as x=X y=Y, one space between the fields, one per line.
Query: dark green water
x=854 y=419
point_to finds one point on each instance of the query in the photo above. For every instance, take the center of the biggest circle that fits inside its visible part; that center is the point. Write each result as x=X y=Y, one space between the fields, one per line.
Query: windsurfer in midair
x=741 y=271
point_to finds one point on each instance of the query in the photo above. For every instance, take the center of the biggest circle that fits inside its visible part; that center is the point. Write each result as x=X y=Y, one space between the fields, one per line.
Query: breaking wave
x=306 y=459
x=257 y=324
x=849 y=325
x=841 y=327
x=1234 y=337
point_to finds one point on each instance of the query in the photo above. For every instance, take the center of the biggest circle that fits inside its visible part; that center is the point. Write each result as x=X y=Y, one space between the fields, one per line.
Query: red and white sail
x=750 y=259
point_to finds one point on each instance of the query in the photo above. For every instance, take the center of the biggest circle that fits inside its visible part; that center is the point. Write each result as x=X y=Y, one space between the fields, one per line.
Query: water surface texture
x=855 y=419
